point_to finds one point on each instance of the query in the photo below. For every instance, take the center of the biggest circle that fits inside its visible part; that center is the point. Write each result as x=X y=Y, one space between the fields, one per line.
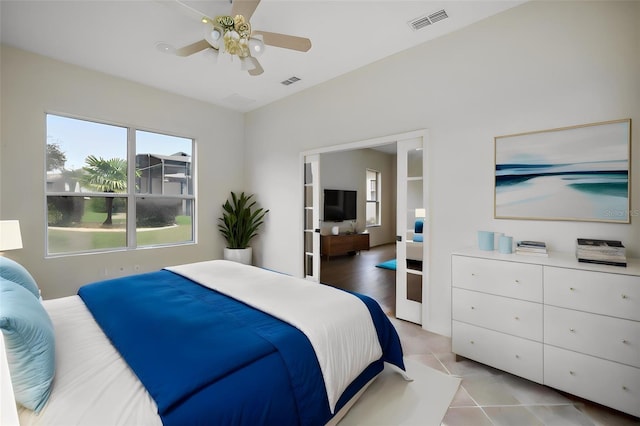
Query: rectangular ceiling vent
x=290 y=80
x=426 y=20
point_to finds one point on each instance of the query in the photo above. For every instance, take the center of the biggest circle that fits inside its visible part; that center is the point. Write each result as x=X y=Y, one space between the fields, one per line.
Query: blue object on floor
x=389 y=264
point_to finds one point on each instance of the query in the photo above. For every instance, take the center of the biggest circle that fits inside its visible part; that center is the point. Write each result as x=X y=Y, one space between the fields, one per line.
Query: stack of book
x=606 y=252
x=532 y=248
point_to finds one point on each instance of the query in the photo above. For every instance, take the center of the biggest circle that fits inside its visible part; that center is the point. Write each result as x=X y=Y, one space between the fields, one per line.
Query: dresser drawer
x=599 y=292
x=605 y=337
x=512 y=316
x=515 y=355
x=511 y=279
x=599 y=380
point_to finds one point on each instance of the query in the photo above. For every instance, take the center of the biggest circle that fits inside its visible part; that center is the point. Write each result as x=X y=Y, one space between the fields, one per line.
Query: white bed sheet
x=93 y=384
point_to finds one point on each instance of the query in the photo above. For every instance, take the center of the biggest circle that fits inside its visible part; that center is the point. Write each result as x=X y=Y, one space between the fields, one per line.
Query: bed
x=211 y=342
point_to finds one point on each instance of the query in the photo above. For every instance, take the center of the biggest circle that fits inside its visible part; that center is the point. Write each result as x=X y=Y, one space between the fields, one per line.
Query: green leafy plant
x=239 y=223
x=106 y=176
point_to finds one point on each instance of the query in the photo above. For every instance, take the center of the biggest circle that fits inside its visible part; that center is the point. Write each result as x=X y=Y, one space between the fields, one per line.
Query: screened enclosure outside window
x=112 y=187
x=373 y=198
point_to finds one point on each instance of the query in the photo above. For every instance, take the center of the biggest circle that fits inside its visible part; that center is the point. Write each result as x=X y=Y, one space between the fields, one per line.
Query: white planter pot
x=238 y=255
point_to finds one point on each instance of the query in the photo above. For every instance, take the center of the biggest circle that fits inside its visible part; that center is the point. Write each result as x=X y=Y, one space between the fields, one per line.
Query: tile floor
x=492 y=397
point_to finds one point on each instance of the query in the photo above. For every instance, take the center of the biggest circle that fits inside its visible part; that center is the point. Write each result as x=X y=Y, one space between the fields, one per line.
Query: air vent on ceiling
x=290 y=80
x=426 y=20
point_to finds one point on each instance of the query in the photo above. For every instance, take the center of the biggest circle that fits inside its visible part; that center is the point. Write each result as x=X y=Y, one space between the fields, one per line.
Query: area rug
x=389 y=264
x=391 y=400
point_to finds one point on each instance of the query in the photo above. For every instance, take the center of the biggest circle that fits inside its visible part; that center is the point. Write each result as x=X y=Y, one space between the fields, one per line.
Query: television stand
x=341 y=244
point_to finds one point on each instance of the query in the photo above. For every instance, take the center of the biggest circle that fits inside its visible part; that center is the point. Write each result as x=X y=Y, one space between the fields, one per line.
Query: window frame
x=131 y=196
x=377 y=201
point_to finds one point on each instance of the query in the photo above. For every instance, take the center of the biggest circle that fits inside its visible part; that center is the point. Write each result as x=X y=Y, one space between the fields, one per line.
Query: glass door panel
x=311 y=218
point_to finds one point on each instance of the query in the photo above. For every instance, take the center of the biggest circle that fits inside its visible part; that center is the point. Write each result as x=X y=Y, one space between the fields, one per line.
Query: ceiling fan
x=233 y=34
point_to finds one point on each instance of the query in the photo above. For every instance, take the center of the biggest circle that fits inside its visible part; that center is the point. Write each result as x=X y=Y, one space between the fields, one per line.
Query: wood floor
x=359 y=273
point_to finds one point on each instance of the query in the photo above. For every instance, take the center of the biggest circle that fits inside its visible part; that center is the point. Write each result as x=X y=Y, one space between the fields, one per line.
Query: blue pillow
x=418 y=227
x=29 y=343
x=418 y=238
x=13 y=271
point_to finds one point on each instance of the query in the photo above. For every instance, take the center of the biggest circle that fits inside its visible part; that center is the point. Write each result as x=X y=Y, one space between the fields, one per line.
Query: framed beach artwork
x=572 y=173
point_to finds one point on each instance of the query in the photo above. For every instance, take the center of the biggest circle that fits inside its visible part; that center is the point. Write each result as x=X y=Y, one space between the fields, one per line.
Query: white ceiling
x=120 y=38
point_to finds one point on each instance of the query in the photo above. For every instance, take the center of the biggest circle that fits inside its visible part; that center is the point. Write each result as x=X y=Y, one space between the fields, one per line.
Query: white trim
x=368 y=143
x=422 y=134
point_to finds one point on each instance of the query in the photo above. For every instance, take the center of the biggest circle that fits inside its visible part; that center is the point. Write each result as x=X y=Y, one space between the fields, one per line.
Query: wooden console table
x=335 y=245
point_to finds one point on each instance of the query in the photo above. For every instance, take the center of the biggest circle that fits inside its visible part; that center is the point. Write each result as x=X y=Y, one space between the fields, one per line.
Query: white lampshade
x=10 y=237
x=421 y=213
x=256 y=45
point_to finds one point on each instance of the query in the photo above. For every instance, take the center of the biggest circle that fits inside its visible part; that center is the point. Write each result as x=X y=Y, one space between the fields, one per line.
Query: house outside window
x=111 y=187
x=373 y=187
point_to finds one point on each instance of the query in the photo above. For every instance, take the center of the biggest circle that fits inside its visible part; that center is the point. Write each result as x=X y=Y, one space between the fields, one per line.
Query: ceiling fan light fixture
x=256 y=46
x=233 y=35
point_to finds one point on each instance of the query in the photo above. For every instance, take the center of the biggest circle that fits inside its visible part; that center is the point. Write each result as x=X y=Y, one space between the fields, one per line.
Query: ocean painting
x=573 y=173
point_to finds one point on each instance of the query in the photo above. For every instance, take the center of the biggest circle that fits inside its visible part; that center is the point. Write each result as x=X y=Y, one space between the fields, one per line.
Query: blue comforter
x=206 y=358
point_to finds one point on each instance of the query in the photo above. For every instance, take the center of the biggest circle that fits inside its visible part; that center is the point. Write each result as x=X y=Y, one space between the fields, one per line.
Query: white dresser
x=553 y=320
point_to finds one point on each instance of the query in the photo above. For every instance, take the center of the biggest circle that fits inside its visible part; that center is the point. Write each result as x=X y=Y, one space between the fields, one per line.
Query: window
x=112 y=187
x=373 y=198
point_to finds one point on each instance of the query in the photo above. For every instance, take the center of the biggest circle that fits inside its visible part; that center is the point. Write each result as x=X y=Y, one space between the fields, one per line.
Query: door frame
x=371 y=143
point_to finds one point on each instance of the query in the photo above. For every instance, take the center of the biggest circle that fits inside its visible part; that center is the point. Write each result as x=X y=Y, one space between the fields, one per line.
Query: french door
x=412 y=201
x=411 y=207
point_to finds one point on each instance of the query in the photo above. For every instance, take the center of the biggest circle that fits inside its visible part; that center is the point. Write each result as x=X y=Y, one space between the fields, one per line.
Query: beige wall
x=32 y=86
x=537 y=66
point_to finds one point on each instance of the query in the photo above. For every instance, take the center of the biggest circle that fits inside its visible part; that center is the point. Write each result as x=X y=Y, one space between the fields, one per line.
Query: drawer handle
x=517 y=356
x=473 y=307
x=625 y=341
x=624 y=388
x=572 y=373
x=472 y=342
x=573 y=330
x=624 y=296
x=517 y=318
x=517 y=281
x=572 y=289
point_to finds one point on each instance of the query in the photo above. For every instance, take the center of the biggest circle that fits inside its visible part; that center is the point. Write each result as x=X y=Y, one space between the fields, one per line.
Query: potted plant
x=238 y=225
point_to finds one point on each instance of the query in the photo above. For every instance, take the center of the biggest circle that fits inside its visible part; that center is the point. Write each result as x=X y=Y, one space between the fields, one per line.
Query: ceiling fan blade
x=285 y=41
x=258 y=68
x=192 y=48
x=244 y=8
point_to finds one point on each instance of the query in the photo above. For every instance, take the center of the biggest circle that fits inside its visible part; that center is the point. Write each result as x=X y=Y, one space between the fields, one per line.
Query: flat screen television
x=339 y=205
